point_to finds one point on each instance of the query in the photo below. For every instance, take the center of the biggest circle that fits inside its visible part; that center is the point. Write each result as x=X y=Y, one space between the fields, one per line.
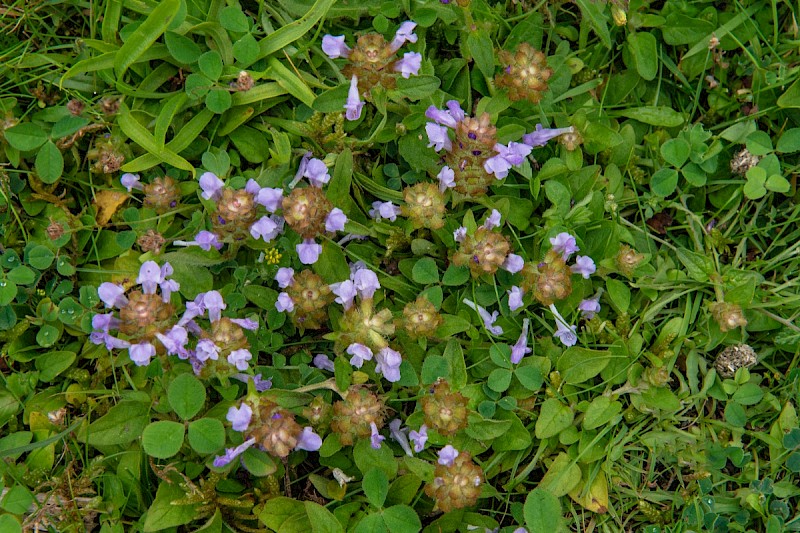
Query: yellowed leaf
x=594 y=499
x=107 y=203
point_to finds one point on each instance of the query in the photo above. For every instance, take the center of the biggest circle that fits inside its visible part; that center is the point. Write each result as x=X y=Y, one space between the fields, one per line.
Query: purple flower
x=262 y=384
x=167 y=287
x=403 y=34
x=239 y=358
x=308 y=440
x=375 y=438
x=438 y=137
x=584 y=265
x=400 y=435
x=365 y=282
x=334 y=46
x=112 y=294
x=246 y=323
x=385 y=210
x=419 y=438
x=335 y=220
x=111 y=342
x=497 y=165
x=565 y=244
x=447 y=455
x=542 y=135
x=388 y=364
x=193 y=309
x=150 y=276
x=211 y=185
x=345 y=292
x=409 y=65
x=284 y=303
x=455 y=110
x=284 y=277
x=520 y=349
x=206 y=349
x=308 y=251
x=131 y=181
x=460 y=234
x=141 y=353
x=513 y=263
x=488 y=318
x=239 y=418
x=360 y=354
x=514 y=153
x=493 y=220
x=206 y=239
x=316 y=172
x=233 y=453
x=214 y=304
x=564 y=332
x=323 y=362
x=515 y=295
x=264 y=228
x=105 y=322
x=252 y=187
x=353 y=104
x=440 y=116
x=270 y=198
x=589 y=308
x=175 y=341
x=447 y=178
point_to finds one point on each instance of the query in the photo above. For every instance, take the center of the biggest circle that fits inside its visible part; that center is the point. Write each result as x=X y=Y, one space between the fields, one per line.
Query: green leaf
x=458 y=367
x=594 y=12
x=181 y=47
x=141 y=136
x=748 y=394
x=661 y=116
x=122 y=424
x=554 y=417
x=644 y=52
x=376 y=486
x=530 y=377
x=40 y=257
x=245 y=50
x=163 y=513
x=600 y=412
x=26 y=136
x=425 y=271
x=619 y=293
x=8 y=291
x=17 y=500
x=258 y=462
x=562 y=476
x=664 y=182
x=776 y=183
x=481 y=49
x=322 y=520
x=451 y=325
x=186 y=396
x=145 y=35
x=285 y=515
x=402 y=519
x=289 y=33
x=21 y=275
x=735 y=414
x=51 y=364
x=578 y=364
x=206 y=435
x=676 y=151
x=9 y=524
x=232 y=18
x=789 y=142
x=542 y=512
x=366 y=458
x=289 y=81
x=455 y=275
x=67 y=126
x=163 y=439
x=418 y=87
x=210 y=65
x=759 y=143
x=218 y=100
x=499 y=379
x=433 y=368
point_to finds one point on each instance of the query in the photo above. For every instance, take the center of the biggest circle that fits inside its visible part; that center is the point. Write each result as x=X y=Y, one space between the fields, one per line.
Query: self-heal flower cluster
x=143 y=315
x=373 y=62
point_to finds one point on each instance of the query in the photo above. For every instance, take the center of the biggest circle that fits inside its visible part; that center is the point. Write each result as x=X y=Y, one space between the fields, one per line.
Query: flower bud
x=424 y=206
x=162 y=194
x=483 y=252
x=457 y=485
x=728 y=316
x=628 y=259
x=305 y=210
x=445 y=411
x=420 y=318
x=550 y=280
x=236 y=212
x=144 y=316
x=277 y=431
x=525 y=73
x=353 y=415
x=473 y=146
x=311 y=297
